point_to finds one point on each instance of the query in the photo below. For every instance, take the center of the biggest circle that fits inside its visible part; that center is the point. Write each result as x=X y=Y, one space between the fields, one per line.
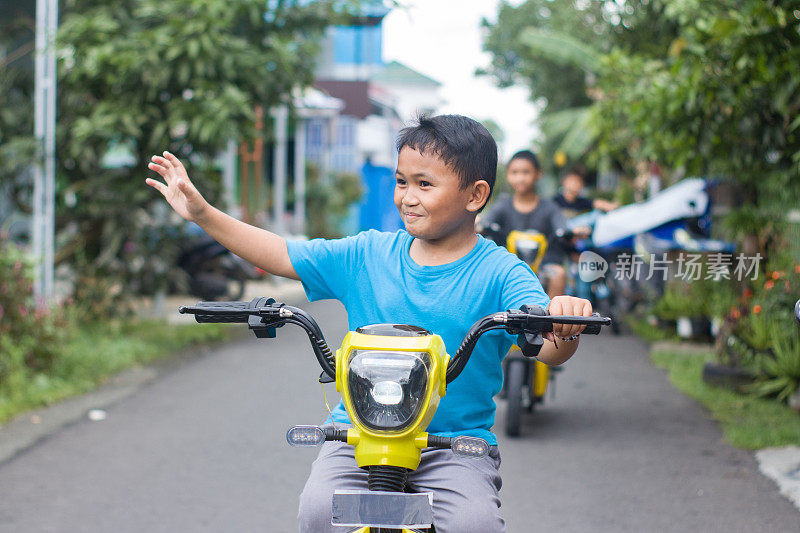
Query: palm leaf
x=573 y=126
x=561 y=48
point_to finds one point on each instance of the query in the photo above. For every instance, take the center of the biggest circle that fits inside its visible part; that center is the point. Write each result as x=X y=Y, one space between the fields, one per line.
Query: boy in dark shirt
x=526 y=210
x=570 y=199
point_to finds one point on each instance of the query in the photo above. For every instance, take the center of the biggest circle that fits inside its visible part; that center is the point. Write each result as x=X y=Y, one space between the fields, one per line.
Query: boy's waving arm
x=260 y=247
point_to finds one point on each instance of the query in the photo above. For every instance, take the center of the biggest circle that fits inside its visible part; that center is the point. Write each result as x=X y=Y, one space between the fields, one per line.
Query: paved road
x=201 y=449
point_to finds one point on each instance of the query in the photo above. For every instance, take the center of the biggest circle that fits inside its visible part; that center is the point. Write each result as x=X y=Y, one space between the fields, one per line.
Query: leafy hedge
x=30 y=332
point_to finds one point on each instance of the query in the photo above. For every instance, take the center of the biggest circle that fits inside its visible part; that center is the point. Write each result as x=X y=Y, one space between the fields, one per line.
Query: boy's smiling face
x=429 y=196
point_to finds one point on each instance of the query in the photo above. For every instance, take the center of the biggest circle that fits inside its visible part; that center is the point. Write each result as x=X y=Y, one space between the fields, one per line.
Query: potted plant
x=681 y=306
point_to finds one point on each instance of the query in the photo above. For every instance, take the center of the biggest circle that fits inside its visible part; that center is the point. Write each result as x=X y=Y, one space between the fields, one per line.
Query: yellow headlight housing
x=390 y=386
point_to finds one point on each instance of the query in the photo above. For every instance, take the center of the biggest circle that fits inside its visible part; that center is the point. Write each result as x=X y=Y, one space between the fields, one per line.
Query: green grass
x=747 y=422
x=94 y=353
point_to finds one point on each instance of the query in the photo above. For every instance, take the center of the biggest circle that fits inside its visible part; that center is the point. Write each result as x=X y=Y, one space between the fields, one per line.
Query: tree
x=553 y=47
x=17 y=146
x=495 y=129
x=707 y=86
x=723 y=101
x=147 y=76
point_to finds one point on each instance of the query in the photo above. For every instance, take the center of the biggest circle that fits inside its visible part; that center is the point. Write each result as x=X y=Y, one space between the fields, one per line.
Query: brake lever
x=262 y=326
x=530 y=344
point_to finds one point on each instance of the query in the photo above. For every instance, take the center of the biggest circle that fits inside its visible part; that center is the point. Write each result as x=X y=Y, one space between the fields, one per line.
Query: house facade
x=346 y=123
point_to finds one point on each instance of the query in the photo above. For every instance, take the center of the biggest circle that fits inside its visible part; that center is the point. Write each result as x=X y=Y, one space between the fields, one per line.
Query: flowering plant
x=29 y=331
x=764 y=322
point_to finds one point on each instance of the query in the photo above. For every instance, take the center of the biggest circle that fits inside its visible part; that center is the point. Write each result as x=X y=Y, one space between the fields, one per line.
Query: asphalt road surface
x=202 y=449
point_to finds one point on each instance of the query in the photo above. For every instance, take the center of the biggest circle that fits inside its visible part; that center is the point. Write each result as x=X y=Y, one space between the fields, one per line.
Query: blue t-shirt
x=373 y=275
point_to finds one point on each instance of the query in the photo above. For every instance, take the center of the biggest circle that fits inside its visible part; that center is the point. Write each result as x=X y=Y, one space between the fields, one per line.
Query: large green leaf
x=573 y=127
x=562 y=48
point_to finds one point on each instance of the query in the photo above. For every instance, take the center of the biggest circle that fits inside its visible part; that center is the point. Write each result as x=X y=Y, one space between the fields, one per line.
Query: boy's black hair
x=463 y=144
x=527 y=155
x=576 y=170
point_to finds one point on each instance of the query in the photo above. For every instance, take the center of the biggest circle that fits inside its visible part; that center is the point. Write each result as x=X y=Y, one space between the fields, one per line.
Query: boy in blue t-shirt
x=437 y=274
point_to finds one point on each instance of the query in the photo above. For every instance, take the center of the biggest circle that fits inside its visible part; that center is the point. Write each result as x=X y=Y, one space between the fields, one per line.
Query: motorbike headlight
x=527 y=250
x=387 y=389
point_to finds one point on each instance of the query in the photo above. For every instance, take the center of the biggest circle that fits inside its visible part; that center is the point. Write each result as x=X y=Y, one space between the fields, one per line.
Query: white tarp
x=685 y=199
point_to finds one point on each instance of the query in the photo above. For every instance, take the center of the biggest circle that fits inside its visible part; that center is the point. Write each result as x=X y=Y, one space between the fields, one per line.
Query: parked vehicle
x=797 y=311
x=677 y=219
x=391 y=377
x=214 y=273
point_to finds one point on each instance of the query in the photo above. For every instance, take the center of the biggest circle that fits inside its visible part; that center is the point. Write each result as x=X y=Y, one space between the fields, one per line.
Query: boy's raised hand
x=179 y=191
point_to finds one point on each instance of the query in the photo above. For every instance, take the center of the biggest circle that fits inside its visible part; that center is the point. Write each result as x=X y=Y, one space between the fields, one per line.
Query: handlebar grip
x=222 y=319
x=234 y=305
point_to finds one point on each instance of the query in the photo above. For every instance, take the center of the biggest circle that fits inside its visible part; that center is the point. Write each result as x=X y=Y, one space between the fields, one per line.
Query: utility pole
x=281 y=116
x=300 y=175
x=44 y=171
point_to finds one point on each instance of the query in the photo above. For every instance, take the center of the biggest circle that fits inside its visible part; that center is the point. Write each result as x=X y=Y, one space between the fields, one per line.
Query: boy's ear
x=478 y=195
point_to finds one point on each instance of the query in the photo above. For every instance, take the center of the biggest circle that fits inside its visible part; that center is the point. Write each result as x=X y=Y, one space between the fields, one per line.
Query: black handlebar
x=593 y=323
x=530 y=321
x=564 y=234
x=263 y=315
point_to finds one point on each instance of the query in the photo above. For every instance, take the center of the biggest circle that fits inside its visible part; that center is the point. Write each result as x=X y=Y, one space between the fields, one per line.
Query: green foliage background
x=142 y=77
x=553 y=47
x=703 y=87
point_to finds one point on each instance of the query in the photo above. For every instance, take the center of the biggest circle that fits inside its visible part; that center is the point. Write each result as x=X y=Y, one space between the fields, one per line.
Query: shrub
x=676 y=301
x=29 y=332
x=780 y=369
x=766 y=334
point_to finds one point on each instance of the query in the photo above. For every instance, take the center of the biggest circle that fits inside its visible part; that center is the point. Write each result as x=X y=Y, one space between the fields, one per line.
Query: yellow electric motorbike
x=526 y=379
x=391 y=378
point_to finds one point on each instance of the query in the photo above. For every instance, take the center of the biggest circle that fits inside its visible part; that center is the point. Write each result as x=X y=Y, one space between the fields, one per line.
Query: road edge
x=34 y=427
x=779 y=464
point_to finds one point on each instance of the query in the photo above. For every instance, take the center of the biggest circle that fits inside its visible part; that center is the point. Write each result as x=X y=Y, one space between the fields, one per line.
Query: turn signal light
x=470 y=447
x=305 y=436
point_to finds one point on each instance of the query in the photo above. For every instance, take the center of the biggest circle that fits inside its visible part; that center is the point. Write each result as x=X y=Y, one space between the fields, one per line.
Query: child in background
x=573 y=203
x=526 y=210
x=570 y=199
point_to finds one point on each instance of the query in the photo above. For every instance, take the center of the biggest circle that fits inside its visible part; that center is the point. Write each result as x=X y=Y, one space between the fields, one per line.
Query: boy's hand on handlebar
x=567 y=305
x=179 y=191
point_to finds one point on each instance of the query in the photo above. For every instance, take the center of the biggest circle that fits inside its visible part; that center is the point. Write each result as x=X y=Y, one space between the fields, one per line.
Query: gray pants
x=465 y=491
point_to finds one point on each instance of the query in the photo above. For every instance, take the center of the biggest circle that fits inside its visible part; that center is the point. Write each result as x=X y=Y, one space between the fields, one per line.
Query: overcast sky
x=442 y=39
